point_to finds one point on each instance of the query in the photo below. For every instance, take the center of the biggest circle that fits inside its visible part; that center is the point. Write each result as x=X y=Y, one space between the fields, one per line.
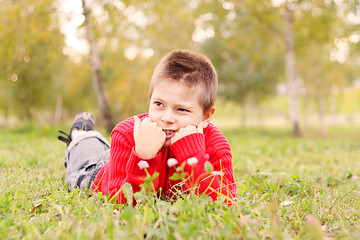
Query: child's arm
x=148 y=137
x=124 y=160
x=220 y=182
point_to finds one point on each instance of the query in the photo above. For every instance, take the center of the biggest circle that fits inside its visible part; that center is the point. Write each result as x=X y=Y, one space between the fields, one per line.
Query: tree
x=31 y=55
x=317 y=25
x=134 y=36
x=291 y=73
x=245 y=52
x=245 y=40
x=250 y=36
x=101 y=97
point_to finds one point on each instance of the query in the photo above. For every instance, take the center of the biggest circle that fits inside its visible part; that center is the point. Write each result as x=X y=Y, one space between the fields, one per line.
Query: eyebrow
x=158 y=99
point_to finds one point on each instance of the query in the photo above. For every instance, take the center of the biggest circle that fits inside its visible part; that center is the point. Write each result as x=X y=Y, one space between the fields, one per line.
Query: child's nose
x=168 y=117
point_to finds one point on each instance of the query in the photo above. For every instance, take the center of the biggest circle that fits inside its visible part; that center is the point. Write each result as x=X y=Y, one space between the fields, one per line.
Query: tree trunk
x=101 y=97
x=291 y=74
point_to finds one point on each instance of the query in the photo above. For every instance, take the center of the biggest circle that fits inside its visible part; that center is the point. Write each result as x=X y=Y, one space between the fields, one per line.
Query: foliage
x=318 y=25
x=133 y=38
x=31 y=56
x=287 y=189
x=78 y=85
x=244 y=39
x=246 y=51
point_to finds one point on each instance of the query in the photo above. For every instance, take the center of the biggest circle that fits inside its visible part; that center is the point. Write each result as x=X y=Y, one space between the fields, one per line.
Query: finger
x=136 y=123
x=145 y=120
x=149 y=122
x=200 y=127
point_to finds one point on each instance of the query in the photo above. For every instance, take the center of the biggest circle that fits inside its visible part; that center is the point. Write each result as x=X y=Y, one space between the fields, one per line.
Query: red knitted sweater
x=123 y=164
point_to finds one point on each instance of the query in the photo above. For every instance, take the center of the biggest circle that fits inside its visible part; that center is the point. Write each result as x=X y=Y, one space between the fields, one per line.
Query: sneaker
x=83 y=121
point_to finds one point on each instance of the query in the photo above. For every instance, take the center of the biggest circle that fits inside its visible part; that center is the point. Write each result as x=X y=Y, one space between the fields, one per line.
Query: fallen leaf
x=35 y=207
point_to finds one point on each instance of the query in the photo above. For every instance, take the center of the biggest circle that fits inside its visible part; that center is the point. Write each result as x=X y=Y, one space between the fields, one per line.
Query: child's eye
x=183 y=110
x=159 y=104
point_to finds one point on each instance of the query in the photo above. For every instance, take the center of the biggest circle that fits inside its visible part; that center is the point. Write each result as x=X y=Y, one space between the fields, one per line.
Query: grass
x=289 y=188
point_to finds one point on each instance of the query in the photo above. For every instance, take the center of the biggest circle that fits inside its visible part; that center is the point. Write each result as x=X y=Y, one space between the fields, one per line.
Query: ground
x=289 y=188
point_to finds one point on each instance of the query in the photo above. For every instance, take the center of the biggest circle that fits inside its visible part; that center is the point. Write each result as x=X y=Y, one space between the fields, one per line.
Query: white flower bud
x=143 y=164
x=192 y=161
x=172 y=162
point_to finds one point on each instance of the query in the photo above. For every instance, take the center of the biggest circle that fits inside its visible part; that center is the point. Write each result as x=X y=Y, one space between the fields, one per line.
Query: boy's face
x=173 y=105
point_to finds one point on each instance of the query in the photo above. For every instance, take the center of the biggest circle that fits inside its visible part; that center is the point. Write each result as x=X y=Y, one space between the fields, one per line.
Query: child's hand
x=148 y=137
x=190 y=129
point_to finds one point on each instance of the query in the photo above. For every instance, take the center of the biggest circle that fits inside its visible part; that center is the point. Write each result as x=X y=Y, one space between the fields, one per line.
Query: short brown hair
x=190 y=68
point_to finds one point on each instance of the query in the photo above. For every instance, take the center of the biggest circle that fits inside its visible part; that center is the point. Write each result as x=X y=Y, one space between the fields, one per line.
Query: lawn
x=289 y=188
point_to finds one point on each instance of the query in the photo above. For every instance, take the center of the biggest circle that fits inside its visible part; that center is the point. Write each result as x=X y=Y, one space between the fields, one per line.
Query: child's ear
x=207 y=116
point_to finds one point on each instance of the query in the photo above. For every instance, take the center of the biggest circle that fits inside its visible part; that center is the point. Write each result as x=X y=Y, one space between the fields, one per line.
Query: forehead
x=177 y=89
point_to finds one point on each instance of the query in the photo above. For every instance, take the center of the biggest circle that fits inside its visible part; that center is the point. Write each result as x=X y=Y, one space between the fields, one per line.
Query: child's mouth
x=169 y=133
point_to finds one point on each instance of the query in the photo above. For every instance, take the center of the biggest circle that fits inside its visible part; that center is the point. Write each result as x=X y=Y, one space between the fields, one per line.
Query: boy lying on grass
x=175 y=135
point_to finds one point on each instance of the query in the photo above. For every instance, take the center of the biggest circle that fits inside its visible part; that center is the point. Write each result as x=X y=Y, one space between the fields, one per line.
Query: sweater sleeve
x=124 y=163
x=215 y=149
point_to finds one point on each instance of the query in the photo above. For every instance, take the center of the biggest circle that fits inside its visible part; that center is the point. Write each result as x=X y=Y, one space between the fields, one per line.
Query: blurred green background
x=46 y=76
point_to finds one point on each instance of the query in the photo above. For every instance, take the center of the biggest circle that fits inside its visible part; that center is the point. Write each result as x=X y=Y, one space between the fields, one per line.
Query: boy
x=175 y=132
